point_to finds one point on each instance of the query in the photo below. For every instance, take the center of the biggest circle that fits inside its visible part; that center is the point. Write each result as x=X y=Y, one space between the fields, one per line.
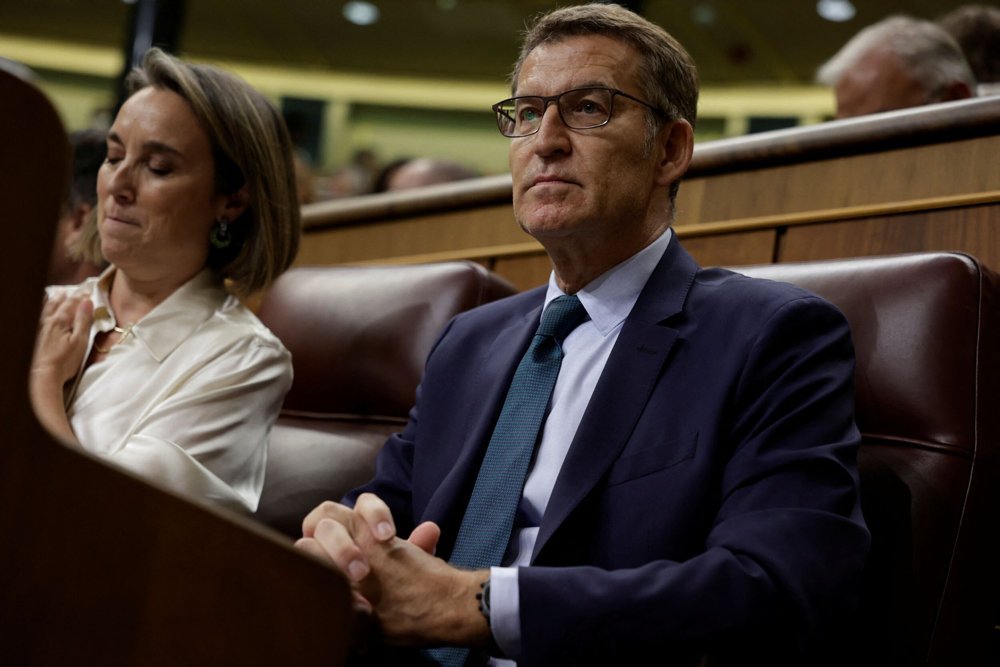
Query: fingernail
x=357 y=570
x=383 y=530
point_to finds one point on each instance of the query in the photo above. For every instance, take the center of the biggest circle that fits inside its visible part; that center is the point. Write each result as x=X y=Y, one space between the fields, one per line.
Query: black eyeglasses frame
x=549 y=99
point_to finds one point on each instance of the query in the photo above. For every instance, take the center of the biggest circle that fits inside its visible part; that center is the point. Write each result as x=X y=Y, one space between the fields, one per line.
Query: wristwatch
x=492 y=648
x=484 y=599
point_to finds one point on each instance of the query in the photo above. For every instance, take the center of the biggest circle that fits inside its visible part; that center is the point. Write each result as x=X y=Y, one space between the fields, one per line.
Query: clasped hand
x=416 y=598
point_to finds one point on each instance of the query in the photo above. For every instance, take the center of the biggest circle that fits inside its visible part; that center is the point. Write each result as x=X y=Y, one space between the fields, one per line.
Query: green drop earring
x=220 y=236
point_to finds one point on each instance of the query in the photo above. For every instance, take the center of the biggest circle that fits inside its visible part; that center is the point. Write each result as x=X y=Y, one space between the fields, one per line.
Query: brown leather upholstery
x=928 y=405
x=358 y=337
x=928 y=393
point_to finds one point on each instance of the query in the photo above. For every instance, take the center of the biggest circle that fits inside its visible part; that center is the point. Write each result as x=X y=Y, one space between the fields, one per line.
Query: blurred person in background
x=418 y=172
x=976 y=28
x=67 y=266
x=896 y=63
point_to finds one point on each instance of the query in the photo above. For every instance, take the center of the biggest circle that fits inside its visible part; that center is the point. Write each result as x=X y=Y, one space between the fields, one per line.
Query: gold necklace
x=118 y=330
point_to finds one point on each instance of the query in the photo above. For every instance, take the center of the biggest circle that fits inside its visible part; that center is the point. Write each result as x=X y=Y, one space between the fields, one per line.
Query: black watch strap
x=484 y=599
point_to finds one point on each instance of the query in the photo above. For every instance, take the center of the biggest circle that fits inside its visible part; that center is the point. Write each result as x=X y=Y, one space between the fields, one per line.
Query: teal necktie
x=486 y=527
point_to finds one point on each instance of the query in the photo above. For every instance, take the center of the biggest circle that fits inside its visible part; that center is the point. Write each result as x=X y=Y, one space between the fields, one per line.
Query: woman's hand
x=62 y=337
x=59 y=348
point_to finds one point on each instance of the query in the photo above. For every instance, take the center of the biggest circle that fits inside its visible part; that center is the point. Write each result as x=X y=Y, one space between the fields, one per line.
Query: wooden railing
x=925 y=178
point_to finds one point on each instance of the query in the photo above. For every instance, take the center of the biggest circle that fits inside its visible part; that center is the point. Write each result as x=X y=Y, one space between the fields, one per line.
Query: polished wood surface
x=971 y=229
x=963 y=167
x=98 y=567
x=461 y=233
x=916 y=126
x=770 y=197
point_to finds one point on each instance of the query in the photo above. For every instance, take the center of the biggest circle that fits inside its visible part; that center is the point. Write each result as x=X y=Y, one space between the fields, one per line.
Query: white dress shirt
x=608 y=301
x=188 y=396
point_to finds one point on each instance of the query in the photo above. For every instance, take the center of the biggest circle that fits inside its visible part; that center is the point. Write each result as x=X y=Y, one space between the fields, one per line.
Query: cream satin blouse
x=188 y=397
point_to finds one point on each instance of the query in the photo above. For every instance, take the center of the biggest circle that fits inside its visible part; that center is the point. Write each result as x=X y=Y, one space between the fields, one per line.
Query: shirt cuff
x=505 y=616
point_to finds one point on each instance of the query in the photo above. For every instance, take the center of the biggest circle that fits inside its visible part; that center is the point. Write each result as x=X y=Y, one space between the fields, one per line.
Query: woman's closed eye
x=159 y=169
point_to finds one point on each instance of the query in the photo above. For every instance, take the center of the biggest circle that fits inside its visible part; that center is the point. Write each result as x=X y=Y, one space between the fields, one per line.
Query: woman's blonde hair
x=250 y=145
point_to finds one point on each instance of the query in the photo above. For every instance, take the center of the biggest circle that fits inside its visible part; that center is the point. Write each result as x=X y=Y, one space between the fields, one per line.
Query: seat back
x=925 y=328
x=358 y=337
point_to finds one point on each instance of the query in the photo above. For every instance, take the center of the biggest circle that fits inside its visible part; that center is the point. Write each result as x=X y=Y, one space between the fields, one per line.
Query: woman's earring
x=220 y=236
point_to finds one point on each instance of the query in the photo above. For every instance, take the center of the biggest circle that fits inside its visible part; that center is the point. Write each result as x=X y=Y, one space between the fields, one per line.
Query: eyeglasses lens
x=580 y=110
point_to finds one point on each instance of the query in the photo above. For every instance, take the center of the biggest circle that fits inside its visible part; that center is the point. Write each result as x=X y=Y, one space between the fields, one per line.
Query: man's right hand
x=333 y=531
x=418 y=600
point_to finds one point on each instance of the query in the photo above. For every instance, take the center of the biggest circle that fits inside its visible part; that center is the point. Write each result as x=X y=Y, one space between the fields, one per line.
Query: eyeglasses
x=580 y=109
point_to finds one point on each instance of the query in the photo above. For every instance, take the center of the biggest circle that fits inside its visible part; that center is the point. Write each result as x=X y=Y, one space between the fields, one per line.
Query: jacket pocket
x=653 y=459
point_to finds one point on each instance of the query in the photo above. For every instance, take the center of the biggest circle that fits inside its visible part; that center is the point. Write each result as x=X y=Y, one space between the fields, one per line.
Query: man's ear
x=232 y=206
x=676 y=144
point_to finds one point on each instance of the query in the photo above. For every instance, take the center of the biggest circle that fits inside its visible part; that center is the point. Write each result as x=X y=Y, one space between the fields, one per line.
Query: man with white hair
x=896 y=63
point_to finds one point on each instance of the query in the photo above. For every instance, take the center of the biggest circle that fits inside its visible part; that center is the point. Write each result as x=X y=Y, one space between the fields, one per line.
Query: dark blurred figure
x=67 y=267
x=385 y=174
x=358 y=177
x=896 y=63
x=365 y=165
x=976 y=28
x=305 y=189
x=417 y=172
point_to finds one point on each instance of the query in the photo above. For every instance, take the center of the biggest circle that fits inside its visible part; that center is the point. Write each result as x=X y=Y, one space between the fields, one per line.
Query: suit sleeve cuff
x=505 y=617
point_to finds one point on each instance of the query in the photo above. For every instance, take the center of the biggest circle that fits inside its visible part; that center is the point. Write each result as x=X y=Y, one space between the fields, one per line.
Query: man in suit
x=693 y=491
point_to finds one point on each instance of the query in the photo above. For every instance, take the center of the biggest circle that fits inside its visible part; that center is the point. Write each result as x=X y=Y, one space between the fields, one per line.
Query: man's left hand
x=417 y=598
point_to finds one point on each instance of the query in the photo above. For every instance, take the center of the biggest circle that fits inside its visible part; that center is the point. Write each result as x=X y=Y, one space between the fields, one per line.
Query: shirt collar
x=165 y=327
x=609 y=298
x=104 y=319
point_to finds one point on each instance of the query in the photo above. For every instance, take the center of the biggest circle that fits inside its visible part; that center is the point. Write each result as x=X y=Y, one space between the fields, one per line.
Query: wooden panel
x=972 y=229
x=936 y=170
x=931 y=158
x=98 y=567
x=439 y=235
x=737 y=249
x=524 y=271
x=914 y=126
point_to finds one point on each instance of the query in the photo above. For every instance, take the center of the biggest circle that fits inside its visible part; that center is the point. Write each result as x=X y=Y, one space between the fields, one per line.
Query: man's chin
x=548 y=228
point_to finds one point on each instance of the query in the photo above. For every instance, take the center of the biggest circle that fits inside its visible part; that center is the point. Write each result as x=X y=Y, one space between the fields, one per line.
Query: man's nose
x=552 y=131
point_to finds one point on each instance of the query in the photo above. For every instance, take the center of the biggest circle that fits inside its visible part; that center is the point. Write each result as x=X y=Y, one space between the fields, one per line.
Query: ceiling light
x=704 y=14
x=361 y=13
x=836 y=10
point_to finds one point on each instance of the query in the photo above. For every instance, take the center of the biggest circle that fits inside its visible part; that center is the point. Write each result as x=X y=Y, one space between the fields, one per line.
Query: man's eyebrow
x=578 y=86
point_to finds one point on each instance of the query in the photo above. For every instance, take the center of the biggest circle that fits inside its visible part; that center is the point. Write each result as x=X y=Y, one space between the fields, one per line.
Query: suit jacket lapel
x=629 y=377
x=479 y=414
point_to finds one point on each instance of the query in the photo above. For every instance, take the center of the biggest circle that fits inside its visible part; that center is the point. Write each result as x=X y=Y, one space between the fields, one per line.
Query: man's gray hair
x=929 y=54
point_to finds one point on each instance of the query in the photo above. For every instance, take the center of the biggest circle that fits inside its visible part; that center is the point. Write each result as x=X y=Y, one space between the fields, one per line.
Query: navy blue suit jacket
x=709 y=499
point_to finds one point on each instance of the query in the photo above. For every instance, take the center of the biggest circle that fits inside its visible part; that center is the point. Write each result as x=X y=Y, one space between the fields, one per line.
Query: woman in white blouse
x=156 y=364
